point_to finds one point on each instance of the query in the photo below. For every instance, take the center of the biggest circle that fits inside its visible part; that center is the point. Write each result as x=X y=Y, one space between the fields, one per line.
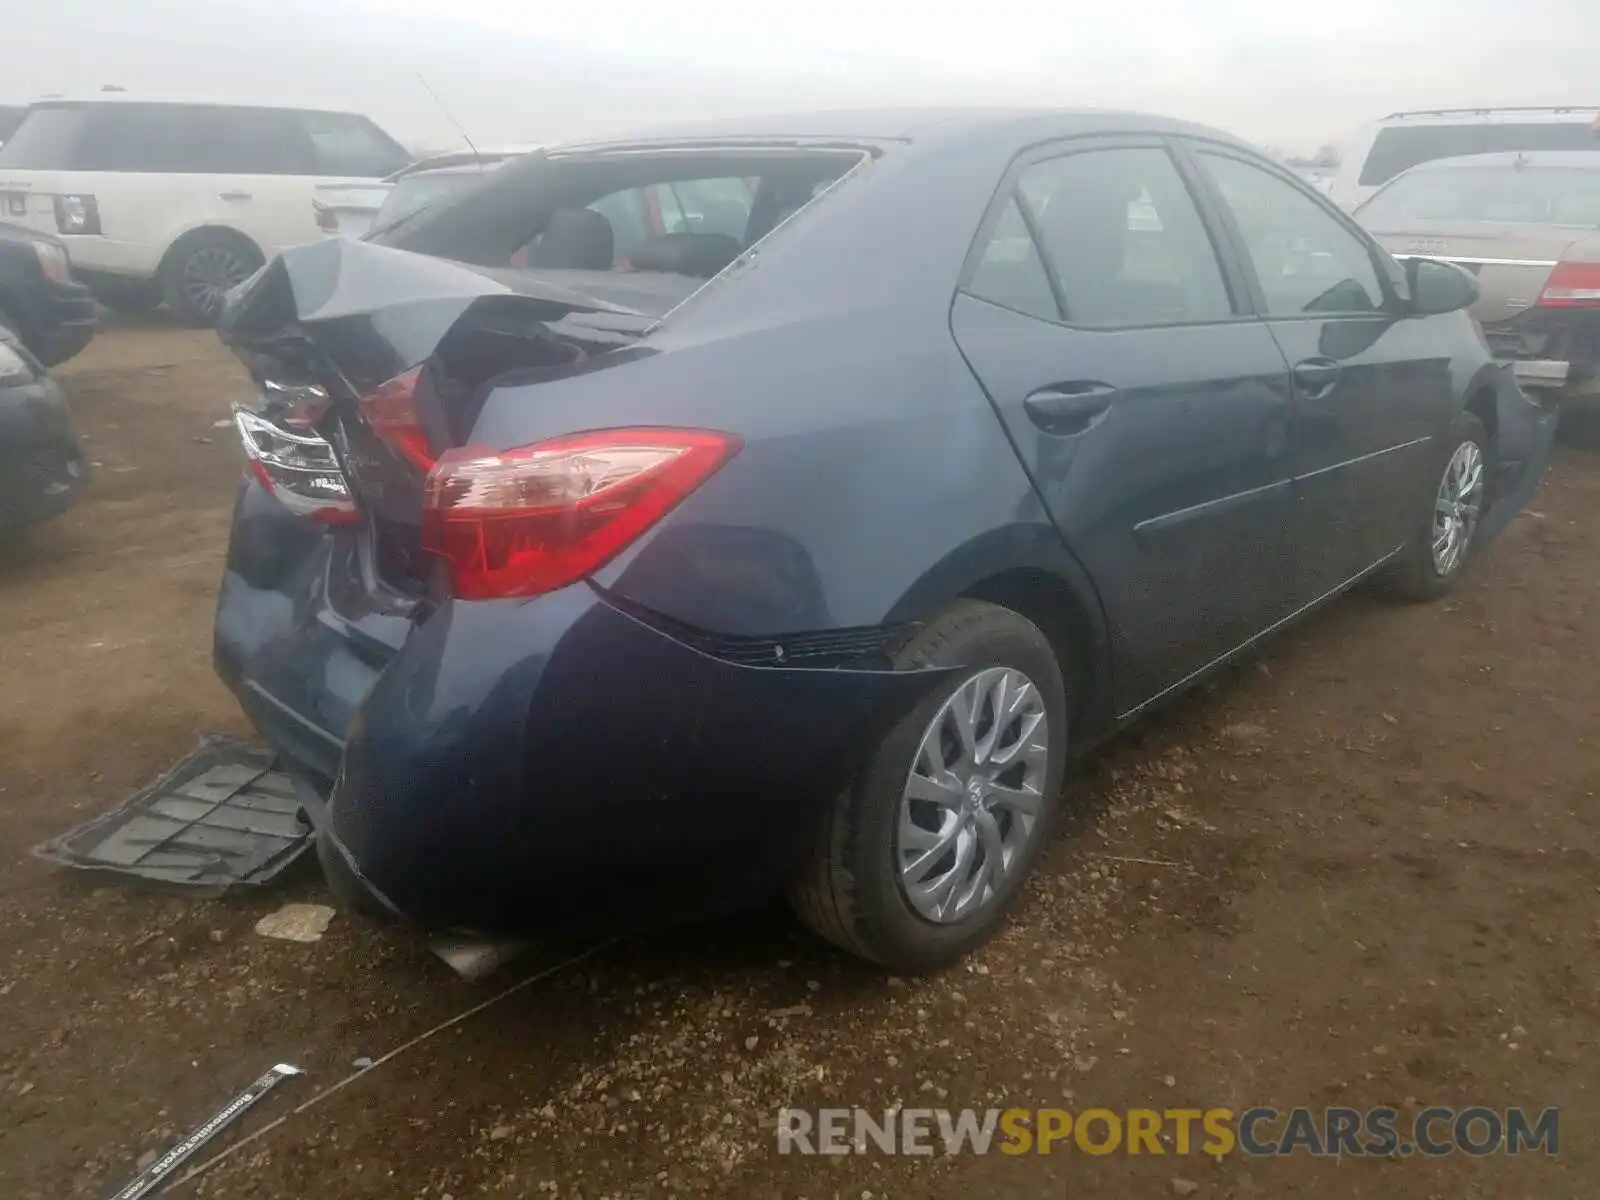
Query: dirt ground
x=1359 y=871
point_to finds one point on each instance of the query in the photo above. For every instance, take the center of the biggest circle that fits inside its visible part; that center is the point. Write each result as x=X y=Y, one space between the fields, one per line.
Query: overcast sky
x=530 y=70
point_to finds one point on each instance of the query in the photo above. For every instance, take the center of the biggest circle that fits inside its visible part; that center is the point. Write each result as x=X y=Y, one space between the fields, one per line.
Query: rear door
x=1149 y=405
x=1370 y=385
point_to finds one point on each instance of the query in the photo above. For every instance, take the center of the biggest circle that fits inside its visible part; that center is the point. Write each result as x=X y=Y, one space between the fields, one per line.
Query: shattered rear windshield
x=685 y=211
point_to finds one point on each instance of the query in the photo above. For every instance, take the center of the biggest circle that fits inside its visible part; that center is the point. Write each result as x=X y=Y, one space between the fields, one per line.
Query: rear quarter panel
x=870 y=457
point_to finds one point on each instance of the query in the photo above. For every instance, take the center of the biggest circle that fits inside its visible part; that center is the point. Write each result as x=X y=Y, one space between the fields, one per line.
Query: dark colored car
x=49 y=311
x=41 y=466
x=806 y=558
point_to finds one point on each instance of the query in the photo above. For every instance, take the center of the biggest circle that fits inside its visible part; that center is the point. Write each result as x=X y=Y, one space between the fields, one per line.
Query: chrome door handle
x=1064 y=409
x=234 y=196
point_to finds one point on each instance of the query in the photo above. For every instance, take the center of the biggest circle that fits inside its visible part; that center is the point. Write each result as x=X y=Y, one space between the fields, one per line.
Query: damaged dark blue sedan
x=660 y=525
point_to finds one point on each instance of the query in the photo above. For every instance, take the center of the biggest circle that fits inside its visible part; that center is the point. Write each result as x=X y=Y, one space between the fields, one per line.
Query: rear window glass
x=678 y=212
x=46 y=140
x=1400 y=147
x=1510 y=195
x=347 y=144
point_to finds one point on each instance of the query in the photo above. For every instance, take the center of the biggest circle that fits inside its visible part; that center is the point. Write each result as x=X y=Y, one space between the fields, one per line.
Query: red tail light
x=391 y=413
x=527 y=521
x=1572 y=285
x=327 y=219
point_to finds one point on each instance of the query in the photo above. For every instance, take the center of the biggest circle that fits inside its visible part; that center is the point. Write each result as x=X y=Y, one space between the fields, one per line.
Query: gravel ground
x=1359 y=870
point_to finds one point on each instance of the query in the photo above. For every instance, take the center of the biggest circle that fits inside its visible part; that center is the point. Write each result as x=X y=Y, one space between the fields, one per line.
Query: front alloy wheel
x=1456 y=507
x=1444 y=536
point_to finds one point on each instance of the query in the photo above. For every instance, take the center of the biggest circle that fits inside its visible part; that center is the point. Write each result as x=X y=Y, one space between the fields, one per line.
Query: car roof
x=172 y=100
x=904 y=125
x=1494 y=116
x=461 y=160
x=1513 y=159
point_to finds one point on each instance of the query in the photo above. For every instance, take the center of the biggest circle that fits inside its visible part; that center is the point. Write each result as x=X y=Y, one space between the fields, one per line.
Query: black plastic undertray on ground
x=221 y=817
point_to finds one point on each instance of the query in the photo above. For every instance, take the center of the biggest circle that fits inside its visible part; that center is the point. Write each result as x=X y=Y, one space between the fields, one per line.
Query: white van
x=1385 y=148
x=164 y=200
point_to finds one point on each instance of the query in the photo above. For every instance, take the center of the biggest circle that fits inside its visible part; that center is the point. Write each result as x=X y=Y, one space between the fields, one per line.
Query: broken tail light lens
x=528 y=521
x=390 y=411
x=297 y=466
x=1572 y=285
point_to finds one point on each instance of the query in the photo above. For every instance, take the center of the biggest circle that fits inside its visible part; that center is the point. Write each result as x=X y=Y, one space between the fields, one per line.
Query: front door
x=1149 y=407
x=1369 y=382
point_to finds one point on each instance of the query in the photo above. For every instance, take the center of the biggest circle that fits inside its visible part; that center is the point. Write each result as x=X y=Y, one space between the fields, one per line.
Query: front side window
x=1124 y=239
x=629 y=214
x=710 y=206
x=1305 y=258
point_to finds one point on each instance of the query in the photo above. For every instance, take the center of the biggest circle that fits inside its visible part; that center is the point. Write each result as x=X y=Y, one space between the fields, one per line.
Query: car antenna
x=449 y=116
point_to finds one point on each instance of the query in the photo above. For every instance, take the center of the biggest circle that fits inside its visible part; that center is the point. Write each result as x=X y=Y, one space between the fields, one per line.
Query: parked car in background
x=1528 y=226
x=352 y=210
x=346 y=209
x=42 y=468
x=803 y=547
x=1402 y=140
x=172 y=201
x=41 y=304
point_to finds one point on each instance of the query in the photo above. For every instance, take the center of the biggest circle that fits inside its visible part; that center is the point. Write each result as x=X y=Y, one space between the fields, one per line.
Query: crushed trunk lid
x=387 y=355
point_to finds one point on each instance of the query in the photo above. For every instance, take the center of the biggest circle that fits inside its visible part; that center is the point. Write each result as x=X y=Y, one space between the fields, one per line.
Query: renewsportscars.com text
x=1255 y=1132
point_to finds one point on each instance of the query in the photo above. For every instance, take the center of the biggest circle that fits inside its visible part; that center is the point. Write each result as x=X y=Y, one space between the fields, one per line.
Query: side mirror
x=1439 y=287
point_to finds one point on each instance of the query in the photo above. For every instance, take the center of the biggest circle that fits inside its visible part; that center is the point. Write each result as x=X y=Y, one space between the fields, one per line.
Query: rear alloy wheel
x=919 y=859
x=202 y=271
x=972 y=799
x=1441 y=548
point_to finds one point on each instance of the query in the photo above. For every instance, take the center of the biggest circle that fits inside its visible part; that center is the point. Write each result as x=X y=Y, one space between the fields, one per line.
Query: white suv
x=177 y=202
x=1402 y=140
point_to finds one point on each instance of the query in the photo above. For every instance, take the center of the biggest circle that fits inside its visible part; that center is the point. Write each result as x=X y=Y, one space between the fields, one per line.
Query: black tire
x=199 y=270
x=1415 y=577
x=849 y=889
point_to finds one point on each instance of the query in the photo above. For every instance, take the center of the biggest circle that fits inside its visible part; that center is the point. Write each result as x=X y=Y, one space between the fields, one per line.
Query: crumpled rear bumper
x=604 y=775
x=506 y=766
x=1524 y=438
